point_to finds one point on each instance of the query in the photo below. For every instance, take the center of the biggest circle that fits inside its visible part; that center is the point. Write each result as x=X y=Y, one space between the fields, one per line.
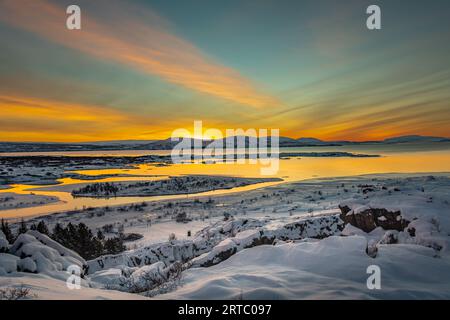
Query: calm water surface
x=394 y=159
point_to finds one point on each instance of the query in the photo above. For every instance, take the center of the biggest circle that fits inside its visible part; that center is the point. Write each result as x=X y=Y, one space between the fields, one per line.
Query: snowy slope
x=333 y=268
x=43 y=287
x=271 y=256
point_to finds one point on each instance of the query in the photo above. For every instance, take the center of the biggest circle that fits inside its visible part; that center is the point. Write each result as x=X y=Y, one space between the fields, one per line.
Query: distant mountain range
x=401 y=139
x=168 y=144
x=415 y=138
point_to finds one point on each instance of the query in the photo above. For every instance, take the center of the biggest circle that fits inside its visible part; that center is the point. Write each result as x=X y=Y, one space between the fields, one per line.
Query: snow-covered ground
x=172 y=185
x=332 y=268
x=42 y=287
x=312 y=239
x=11 y=200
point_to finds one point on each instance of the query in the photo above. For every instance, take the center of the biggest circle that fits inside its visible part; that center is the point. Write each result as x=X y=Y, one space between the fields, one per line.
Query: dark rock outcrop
x=371 y=218
x=221 y=256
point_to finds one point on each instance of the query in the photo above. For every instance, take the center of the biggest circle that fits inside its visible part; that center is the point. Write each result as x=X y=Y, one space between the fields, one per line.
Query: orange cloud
x=140 y=40
x=32 y=119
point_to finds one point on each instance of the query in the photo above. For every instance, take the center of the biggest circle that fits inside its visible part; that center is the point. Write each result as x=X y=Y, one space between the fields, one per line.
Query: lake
x=401 y=158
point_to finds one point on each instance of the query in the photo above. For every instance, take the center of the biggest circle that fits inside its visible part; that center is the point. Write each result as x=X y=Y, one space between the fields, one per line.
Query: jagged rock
x=426 y=233
x=344 y=209
x=220 y=241
x=147 y=277
x=389 y=237
x=411 y=231
x=372 y=249
x=251 y=238
x=367 y=219
x=317 y=228
x=219 y=253
x=178 y=250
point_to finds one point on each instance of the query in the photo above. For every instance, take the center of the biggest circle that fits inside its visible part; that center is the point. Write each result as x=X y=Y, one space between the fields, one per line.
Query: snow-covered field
x=172 y=185
x=10 y=200
x=332 y=268
x=312 y=239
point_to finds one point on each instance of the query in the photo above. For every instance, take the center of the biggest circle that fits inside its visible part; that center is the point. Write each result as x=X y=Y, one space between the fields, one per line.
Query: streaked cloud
x=141 y=40
x=35 y=119
x=132 y=74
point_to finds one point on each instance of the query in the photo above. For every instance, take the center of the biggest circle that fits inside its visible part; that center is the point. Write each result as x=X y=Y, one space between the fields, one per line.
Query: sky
x=141 y=69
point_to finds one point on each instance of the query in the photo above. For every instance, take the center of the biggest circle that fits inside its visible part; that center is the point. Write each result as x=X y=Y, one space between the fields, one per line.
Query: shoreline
x=233 y=192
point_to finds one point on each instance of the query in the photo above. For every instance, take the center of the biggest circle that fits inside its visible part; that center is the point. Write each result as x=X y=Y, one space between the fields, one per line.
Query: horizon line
x=206 y=139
